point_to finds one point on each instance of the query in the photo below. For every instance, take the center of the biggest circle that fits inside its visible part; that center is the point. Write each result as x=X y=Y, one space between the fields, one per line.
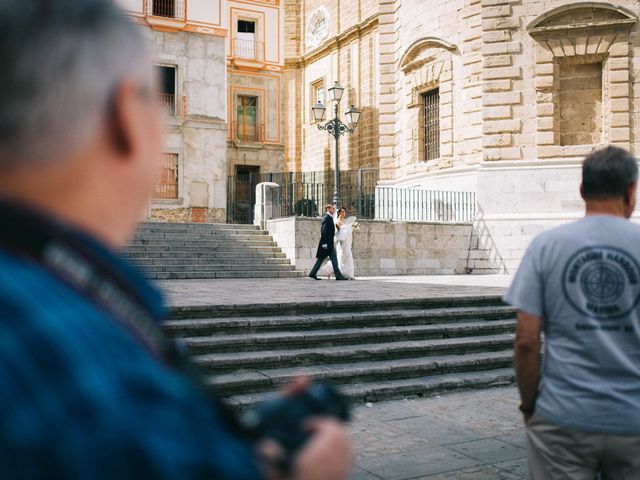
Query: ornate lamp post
x=336 y=128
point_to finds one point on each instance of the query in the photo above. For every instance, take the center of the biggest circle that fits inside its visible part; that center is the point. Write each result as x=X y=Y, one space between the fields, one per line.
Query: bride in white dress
x=343 y=240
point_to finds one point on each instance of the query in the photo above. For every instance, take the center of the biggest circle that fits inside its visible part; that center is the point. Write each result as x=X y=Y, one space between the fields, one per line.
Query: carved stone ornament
x=580 y=16
x=317 y=27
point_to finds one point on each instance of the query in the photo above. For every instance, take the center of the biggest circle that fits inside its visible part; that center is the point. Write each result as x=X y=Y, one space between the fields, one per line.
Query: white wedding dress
x=342 y=241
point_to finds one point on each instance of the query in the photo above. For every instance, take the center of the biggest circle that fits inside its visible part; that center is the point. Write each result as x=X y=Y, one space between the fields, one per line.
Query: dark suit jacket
x=327 y=232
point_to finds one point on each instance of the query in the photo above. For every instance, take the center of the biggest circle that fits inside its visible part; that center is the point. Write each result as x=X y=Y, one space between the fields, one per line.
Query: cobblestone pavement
x=476 y=435
x=296 y=290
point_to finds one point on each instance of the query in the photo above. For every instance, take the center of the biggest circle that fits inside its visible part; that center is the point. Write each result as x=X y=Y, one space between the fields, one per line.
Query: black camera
x=283 y=419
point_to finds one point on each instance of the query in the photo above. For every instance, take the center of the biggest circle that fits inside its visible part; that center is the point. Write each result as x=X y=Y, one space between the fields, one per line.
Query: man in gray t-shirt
x=580 y=285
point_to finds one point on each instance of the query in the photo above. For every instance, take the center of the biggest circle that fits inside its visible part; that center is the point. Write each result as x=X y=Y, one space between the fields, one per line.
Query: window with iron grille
x=431 y=124
x=164 y=8
x=167 y=186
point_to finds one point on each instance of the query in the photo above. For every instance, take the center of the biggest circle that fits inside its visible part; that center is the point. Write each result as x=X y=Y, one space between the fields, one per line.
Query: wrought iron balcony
x=247 y=49
x=166 y=14
x=174 y=105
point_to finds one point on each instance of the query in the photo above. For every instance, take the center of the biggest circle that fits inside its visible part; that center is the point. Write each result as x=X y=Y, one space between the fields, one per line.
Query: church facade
x=503 y=98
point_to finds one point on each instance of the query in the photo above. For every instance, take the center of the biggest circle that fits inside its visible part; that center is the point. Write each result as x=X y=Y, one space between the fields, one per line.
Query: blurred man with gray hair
x=89 y=386
x=580 y=285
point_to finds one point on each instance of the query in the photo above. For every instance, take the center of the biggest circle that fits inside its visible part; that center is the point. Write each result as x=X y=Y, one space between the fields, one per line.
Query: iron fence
x=306 y=194
x=411 y=204
x=303 y=193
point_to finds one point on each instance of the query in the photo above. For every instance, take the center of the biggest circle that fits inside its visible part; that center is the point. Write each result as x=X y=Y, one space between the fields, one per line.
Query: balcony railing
x=174 y=9
x=174 y=105
x=168 y=101
x=249 y=49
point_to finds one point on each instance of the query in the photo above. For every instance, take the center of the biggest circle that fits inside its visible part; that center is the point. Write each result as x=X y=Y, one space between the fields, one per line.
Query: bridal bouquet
x=352 y=222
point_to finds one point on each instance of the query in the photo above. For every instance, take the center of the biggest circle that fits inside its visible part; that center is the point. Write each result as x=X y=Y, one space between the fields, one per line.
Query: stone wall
x=382 y=247
x=197 y=133
x=527 y=88
x=580 y=103
x=184 y=215
x=537 y=85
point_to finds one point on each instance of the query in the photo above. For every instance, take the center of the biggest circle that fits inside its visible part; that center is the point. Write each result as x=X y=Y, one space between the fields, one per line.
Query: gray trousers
x=558 y=453
x=334 y=261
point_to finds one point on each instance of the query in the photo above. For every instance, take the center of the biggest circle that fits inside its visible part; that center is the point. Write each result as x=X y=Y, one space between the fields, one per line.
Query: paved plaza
x=466 y=435
x=476 y=435
x=290 y=291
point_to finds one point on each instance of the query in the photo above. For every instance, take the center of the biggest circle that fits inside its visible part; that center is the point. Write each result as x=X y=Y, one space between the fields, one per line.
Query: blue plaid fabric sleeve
x=80 y=399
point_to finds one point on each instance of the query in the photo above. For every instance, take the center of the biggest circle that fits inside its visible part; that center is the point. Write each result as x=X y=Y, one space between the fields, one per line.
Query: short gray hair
x=61 y=61
x=607 y=173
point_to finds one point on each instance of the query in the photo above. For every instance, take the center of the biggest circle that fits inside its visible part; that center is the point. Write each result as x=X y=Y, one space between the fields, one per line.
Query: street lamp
x=336 y=128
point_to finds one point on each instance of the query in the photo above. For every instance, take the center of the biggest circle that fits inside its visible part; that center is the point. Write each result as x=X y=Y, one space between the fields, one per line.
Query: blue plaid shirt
x=80 y=398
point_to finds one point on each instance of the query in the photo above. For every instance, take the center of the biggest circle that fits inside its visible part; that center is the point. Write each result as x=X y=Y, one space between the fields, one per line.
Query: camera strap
x=68 y=259
x=67 y=255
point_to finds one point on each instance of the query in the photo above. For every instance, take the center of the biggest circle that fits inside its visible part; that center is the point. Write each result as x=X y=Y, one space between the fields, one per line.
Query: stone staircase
x=372 y=350
x=199 y=250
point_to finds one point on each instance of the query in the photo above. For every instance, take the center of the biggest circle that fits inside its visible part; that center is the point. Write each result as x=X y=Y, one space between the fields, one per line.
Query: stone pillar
x=499 y=97
x=389 y=78
x=471 y=133
x=265 y=202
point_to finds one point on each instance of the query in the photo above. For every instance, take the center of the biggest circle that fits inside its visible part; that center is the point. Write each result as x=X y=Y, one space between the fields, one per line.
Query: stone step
x=225 y=274
x=277 y=317
x=226 y=362
x=204 y=251
x=345 y=336
x=425 y=386
x=162 y=226
x=360 y=373
x=233 y=250
x=225 y=261
x=378 y=349
x=178 y=243
x=204 y=254
x=217 y=236
x=215 y=267
x=198 y=229
x=331 y=307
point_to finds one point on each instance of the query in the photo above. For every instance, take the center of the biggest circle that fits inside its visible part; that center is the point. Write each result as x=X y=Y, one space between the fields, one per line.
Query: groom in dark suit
x=326 y=247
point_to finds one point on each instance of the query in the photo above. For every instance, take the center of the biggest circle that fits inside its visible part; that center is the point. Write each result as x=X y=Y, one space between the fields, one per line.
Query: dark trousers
x=334 y=261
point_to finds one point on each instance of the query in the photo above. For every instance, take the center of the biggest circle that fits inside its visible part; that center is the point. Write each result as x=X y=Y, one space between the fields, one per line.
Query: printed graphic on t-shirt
x=602 y=282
